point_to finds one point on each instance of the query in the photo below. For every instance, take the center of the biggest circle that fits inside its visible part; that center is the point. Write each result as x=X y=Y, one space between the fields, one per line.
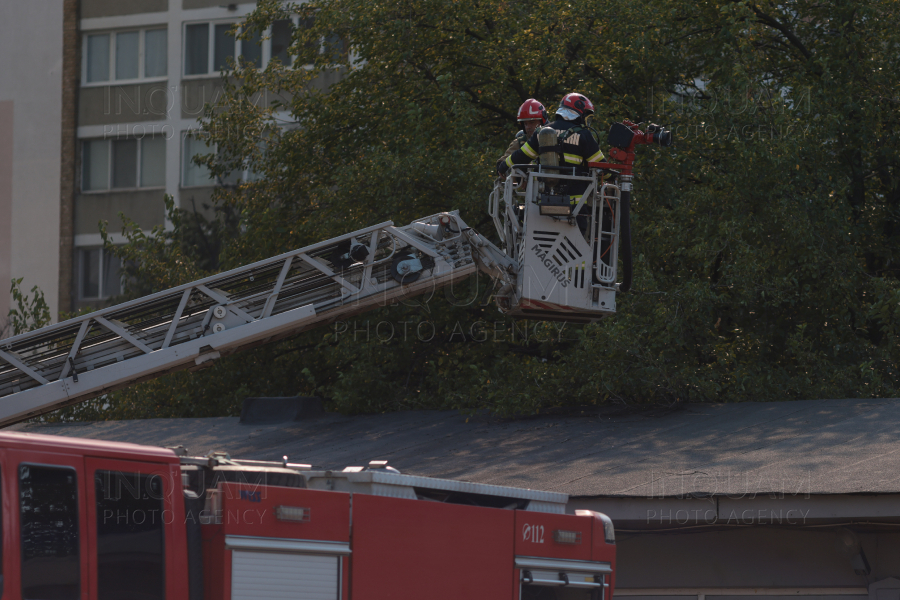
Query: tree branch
x=775 y=24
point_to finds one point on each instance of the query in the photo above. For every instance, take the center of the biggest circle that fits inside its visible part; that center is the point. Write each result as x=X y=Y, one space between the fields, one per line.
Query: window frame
x=186 y=162
x=266 y=43
x=112 y=33
x=138 y=167
x=102 y=295
x=244 y=175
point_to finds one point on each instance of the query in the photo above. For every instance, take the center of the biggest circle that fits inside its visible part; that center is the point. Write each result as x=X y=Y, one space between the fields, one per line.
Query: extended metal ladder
x=189 y=325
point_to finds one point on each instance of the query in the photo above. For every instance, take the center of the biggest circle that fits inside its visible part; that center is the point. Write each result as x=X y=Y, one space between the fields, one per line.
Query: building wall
x=750 y=557
x=166 y=105
x=146 y=208
x=110 y=8
x=135 y=110
x=71 y=73
x=31 y=93
x=779 y=543
x=6 y=174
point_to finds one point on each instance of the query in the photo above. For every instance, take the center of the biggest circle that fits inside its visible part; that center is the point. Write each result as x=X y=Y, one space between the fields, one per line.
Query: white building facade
x=30 y=147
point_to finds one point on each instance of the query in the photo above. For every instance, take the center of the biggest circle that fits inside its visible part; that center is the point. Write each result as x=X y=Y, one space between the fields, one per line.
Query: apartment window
x=193 y=175
x=124 y=56
x=123 y=163
x=99 y=274
x=281 y=40
x=209 y=46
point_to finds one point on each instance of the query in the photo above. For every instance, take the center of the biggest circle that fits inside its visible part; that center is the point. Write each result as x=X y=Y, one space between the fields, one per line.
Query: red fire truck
x=85 y=519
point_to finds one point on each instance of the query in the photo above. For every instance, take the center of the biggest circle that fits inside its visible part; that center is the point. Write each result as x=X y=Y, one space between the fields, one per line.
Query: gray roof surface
x=815 y=446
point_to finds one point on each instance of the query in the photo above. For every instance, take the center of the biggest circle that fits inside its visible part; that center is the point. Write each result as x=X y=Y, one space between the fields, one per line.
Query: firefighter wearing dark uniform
x=576 y=145
x=531 y=114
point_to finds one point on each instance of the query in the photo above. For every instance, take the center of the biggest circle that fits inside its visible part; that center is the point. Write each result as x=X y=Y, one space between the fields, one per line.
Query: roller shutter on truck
x=258 y=575
x=549 y=579
x=267 y=569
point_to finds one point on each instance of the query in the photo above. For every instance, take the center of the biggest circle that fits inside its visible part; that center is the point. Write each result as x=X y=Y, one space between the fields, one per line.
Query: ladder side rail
x=105 y=348
x=607 y=210
x=44 y=350
x=194 y=326
x=511 y=203
x=494 y=209
x=98 y=345
x=106 y=351
x=253 y=301
x=178 y=290
x=96 y=382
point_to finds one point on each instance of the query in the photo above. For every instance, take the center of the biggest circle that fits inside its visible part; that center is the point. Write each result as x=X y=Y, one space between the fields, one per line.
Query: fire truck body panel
x=553 y=536
x=254 y=554
x=397 y=549
x=88 y=520
x=415 y=549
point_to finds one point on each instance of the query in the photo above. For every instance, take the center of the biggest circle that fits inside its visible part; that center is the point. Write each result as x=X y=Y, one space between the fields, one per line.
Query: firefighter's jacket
x=514 y=145
x=576 y=148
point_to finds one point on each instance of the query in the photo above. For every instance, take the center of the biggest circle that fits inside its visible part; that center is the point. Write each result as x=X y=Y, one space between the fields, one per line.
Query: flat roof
x=810 y=447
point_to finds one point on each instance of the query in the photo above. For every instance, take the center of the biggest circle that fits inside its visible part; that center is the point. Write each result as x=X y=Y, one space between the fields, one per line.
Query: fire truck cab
x=85 y=519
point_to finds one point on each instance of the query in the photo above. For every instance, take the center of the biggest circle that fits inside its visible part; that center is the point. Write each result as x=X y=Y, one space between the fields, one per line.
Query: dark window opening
x=282 y=31
x=124 y=167
x=196 y=55
x=251 y=50
x=223 y=46
x=48 y=500
x=334 y=47
x=130 y=544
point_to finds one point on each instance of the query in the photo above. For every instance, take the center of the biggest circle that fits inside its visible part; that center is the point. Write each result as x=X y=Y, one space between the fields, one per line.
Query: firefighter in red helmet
x=531 y=114
x=576 y=145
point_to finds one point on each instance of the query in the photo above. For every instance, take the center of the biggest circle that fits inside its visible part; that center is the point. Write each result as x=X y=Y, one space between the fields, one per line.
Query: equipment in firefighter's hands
x=568 y=250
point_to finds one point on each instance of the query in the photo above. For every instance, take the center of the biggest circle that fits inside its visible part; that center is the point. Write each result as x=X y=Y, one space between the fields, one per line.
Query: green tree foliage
x=29 y=313
x=765 y=239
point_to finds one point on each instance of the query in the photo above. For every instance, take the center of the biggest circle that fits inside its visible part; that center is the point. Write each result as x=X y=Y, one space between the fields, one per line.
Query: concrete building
x=31 y=107
x=147 y=69
x=94 y=114
x=789 y=499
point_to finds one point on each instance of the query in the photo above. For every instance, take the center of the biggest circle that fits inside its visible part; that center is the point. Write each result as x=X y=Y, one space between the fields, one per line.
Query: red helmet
x=532 y=109
x=579 y=103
